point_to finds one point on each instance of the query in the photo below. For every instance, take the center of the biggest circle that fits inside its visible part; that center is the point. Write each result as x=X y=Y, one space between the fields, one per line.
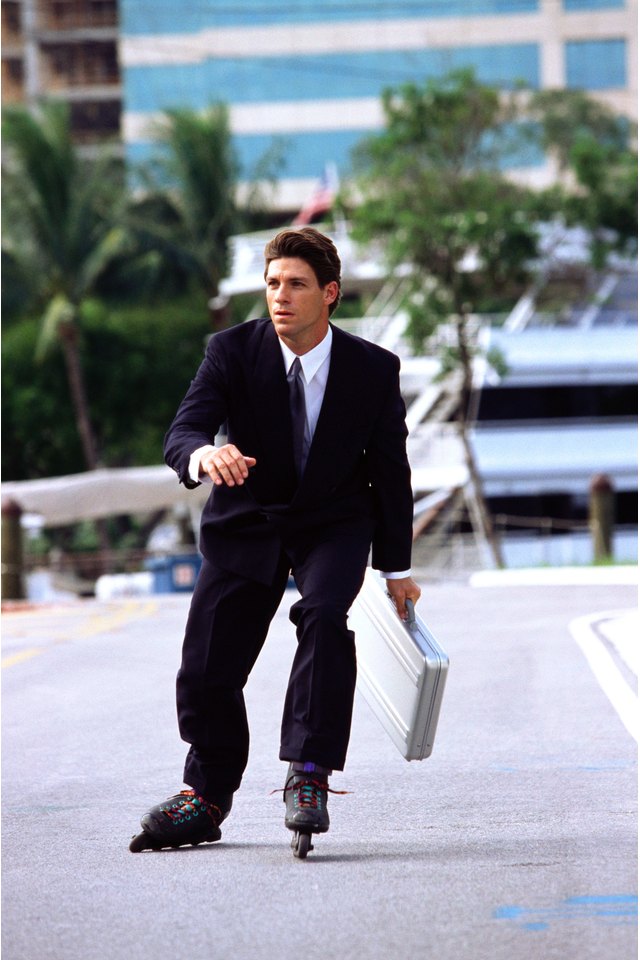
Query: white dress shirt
x=315 y=372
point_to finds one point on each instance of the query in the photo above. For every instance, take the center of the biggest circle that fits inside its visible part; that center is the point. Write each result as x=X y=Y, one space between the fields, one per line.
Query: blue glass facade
x=306 y=154
x=303 y=154
x=268 y=79
x=136 y=18
x=596 y=64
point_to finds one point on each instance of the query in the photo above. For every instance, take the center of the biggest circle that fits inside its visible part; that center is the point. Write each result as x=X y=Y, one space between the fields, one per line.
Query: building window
x=12 y=80
x=103 y=12
x=596 y=64
x=570 y=5
x=72 y=14
x=85 y=64
x=59 y=13
x=15 y=70
x=11 y=20
x=92 y=121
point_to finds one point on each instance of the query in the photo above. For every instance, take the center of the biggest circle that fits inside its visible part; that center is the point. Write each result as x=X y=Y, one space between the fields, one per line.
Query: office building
x=308 y=76
x=67 y=50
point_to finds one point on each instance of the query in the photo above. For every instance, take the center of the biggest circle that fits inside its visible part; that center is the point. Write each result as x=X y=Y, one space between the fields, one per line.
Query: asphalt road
x=516 y=839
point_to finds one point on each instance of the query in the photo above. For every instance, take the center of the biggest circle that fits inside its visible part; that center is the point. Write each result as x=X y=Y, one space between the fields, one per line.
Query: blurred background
x=475 y=161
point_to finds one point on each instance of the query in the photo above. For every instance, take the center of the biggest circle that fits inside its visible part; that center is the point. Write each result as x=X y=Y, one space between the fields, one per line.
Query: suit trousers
x=228 y=622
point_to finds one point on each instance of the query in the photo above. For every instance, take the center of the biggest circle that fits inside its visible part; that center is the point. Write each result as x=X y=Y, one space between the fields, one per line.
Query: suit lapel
x=342 y=394
x=270 y=397
x=334 y=396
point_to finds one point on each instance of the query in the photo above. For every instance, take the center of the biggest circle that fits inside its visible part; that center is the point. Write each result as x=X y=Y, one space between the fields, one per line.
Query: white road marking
x=622 y=623
x=623 y=632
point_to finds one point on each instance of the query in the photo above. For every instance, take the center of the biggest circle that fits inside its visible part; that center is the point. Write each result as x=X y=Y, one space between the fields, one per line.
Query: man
x=313 y=475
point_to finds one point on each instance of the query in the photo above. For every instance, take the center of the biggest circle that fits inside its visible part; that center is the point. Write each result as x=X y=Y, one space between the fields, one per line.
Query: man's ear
x=331 y=292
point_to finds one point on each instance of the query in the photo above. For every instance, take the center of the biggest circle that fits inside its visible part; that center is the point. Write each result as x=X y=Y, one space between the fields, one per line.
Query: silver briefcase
x=401 y=668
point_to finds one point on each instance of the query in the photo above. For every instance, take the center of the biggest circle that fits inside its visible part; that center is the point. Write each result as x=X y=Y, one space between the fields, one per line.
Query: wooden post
x=601 y=516
x=12 y=568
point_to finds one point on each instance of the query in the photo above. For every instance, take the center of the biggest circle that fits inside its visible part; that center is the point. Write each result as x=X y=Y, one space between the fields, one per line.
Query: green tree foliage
x=39 y=436
x=563 y=117
x=139 y=360
x=59 y=219
x=607 y=201
x=430 y=186
x=592 y=143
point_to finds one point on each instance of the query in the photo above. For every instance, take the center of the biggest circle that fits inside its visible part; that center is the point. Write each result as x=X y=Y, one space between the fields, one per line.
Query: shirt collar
x=311 y=361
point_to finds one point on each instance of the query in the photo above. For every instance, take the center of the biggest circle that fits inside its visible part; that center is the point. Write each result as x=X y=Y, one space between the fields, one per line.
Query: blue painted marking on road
x=607 y=908
x=508 y=912
x=623 y=905
x=609 y=765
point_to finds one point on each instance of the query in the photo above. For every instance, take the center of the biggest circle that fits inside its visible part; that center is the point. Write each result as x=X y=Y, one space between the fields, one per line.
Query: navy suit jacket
x=357 y=476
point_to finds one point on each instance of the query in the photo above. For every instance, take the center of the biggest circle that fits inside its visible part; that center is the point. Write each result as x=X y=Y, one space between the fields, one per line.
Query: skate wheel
x=301 y=844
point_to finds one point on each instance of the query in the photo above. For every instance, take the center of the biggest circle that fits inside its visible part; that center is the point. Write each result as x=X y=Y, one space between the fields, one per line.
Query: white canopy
x=59 y=501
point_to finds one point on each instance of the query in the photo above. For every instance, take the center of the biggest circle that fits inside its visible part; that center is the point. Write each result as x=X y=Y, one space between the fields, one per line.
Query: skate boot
x=305 y=795
x=186 y=818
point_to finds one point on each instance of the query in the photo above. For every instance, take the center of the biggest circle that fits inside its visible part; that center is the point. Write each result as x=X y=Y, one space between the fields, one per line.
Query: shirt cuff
x=396 y=576
x=194 y=464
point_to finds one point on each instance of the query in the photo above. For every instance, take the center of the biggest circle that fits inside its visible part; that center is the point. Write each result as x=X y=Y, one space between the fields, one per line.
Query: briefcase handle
x=410 y=607
x=411 y=612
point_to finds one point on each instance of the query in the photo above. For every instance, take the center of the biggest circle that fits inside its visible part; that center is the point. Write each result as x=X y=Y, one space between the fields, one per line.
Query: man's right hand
x=226 y=465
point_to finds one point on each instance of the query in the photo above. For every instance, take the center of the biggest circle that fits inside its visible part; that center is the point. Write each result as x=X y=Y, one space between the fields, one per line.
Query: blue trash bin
x=174 y=574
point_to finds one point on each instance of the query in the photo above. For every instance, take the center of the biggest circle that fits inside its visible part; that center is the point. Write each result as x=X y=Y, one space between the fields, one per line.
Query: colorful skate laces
x=190 y=805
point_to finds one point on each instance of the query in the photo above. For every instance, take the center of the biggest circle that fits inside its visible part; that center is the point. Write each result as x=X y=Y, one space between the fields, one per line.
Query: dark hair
x=314 y=248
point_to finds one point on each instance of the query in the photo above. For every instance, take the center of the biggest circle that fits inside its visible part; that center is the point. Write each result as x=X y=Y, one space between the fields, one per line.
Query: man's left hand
x=401 y=590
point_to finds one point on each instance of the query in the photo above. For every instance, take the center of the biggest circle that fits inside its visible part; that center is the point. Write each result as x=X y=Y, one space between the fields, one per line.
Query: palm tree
x=188 y=208
x=60 y=235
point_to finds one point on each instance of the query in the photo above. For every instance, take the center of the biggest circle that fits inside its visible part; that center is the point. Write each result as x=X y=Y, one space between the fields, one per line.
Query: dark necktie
x=298 y=415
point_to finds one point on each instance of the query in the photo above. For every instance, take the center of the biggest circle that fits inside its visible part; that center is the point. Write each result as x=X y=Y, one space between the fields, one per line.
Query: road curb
x=555 y=577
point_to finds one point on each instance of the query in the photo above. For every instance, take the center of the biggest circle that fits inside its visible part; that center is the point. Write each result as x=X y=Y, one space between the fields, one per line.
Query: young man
x=314 y=475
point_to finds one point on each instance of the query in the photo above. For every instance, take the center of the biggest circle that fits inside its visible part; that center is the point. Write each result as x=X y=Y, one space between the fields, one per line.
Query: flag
x=322 y=197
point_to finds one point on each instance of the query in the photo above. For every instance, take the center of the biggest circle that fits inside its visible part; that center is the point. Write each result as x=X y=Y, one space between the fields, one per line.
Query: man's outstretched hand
x=401 y=590
x=226 y=465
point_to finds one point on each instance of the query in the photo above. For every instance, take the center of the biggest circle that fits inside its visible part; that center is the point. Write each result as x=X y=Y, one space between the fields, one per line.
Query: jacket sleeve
x=390 y=481
x=201 y=413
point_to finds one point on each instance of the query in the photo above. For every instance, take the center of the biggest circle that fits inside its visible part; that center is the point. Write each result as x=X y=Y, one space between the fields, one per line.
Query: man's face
x=298 y=305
